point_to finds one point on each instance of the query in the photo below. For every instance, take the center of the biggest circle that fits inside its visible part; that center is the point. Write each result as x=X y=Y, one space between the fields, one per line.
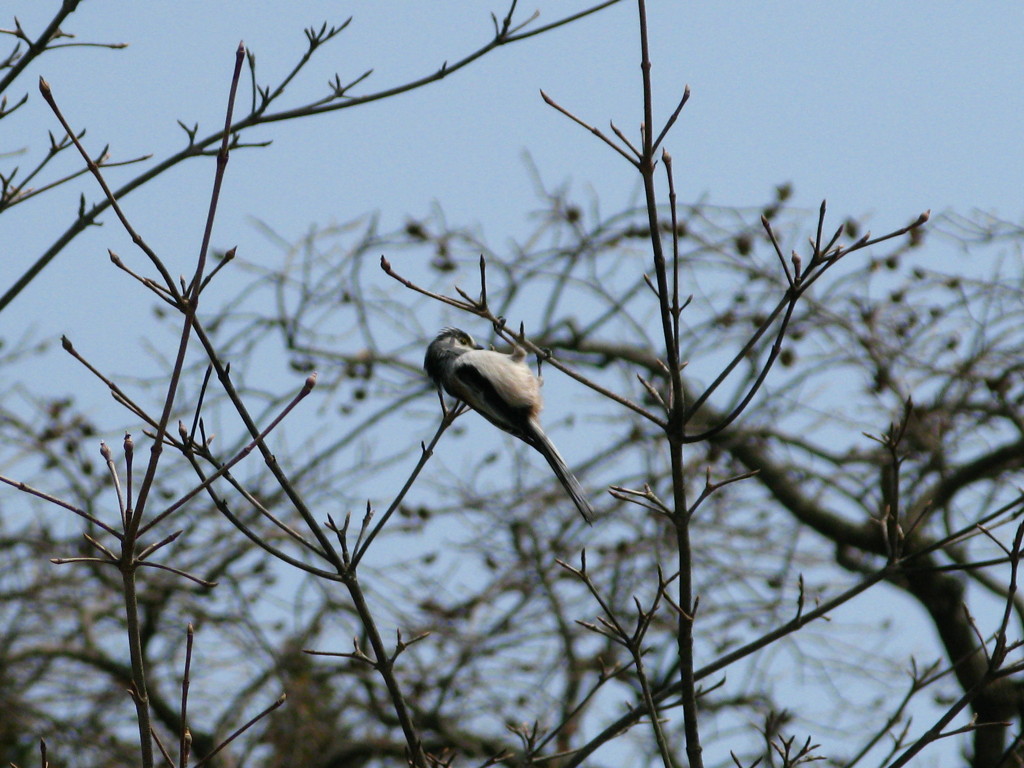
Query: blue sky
x=885 y=109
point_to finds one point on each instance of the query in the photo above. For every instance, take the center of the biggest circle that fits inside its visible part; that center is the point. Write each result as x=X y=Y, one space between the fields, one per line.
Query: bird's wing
x=511 y=378
x=494 y=386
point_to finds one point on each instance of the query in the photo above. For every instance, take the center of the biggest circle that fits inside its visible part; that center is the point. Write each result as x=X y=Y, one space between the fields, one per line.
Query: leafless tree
x=823 y=424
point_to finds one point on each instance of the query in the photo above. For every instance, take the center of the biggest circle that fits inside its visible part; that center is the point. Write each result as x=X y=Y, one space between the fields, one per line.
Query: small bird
x=503 y=390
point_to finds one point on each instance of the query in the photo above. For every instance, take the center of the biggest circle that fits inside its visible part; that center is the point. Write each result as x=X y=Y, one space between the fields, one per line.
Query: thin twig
x=238 y=732
x=425 y=453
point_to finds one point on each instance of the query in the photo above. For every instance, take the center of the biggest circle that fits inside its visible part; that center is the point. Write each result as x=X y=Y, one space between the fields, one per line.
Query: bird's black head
x=448 y=345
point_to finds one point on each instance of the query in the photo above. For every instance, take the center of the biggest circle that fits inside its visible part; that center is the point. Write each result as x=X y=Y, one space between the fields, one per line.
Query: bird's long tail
x=572 y=486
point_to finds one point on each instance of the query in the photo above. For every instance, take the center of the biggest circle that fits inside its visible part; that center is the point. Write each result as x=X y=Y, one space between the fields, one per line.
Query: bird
x=501 y=388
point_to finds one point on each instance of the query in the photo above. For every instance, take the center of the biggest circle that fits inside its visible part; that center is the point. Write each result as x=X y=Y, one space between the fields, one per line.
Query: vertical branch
x=676 y=309
x=668 y=300
x=646 y=167
x=139 y=691
x=128 y=560
x=185 y=737
x=189 y=305
x=218 y=180
x=384 y=663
